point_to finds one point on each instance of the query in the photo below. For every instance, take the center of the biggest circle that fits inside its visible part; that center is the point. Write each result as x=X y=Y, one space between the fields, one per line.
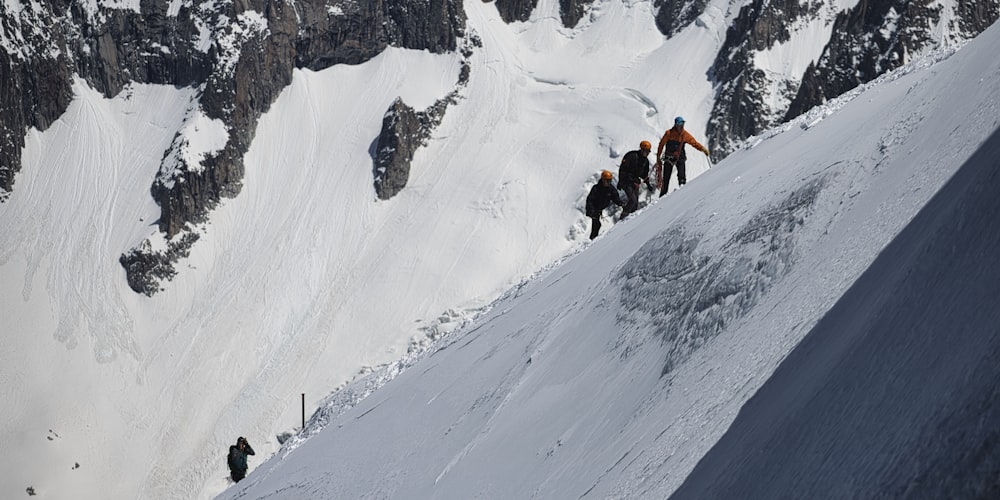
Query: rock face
x=570 y=11
x=515 y=10
x=674 y=15
x=888 y=33
x=240 y=54
x=404 y=130
x=873 y=37
x=741 y=108
x=45 y=47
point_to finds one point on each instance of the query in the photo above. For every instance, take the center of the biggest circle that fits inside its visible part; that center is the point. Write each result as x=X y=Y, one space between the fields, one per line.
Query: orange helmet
x=645 y=145
x=606 y=175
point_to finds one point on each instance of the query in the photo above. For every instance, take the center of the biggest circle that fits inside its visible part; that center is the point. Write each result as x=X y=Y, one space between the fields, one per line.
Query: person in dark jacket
x=633 y=171
x=601 y=196
x=238 y=459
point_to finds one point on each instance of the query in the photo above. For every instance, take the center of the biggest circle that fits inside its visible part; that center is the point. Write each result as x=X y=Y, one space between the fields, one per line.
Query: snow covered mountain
x=756 y=63
x=301 y=192
x=805 y=320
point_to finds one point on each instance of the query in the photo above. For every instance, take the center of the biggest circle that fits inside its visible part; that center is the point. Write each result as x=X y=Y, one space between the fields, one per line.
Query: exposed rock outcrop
x=404 y=130
x=741 y=108
x=46 y=47
x=674 y=15
x=515 y=10
x=873 y=37
x=570 y=11
x=239 y=54
x=145 y=268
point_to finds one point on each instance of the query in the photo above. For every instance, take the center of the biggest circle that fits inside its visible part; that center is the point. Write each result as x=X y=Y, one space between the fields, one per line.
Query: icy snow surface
x=608 y=368
x=613 y=373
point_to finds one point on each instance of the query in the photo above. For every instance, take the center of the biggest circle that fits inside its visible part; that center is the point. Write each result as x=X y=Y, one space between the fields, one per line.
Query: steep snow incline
x=901 y=391
x=74 y=382
x=304 y=279
x=614 y=373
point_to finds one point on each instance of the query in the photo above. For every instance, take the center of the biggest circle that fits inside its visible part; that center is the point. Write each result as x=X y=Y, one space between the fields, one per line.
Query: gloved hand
x=707 y=153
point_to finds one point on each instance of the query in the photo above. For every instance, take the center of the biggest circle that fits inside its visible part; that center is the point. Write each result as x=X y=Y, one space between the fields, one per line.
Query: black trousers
x=681 y=173
x=595 y=226
x=632 y=193
x=237 y=475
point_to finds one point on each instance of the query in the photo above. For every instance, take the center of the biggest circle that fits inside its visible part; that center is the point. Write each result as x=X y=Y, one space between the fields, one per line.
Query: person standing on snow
x=633 y=171
x=671 y=150
x=602 y=195
x=238 y=459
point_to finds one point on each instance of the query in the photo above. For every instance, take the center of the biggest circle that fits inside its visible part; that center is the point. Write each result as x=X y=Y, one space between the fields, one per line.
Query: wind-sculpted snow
x=690 y=294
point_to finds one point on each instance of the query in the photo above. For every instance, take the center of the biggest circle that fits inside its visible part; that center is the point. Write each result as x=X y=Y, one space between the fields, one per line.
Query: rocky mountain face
x=889 y=33
x=864 y=42
x=240 y=54
x=405 y=129
x=672 y=16
x=48 y=42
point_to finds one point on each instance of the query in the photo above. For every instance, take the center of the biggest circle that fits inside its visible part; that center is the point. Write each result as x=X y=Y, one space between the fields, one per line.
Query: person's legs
x=632 y=204
x=681 y=171
x=595 y=226
x=668 y=168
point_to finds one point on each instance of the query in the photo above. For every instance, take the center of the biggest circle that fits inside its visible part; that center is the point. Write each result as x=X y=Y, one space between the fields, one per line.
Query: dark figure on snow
x=601 y=196
x=238 y=459
x=671 y=152
x=633 y=171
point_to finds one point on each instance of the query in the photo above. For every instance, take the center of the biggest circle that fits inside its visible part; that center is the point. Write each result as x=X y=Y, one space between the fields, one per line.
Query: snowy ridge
x=816 y=115
x=730 y=287
x=613 y=374
x=578 y=379
x=450 y=328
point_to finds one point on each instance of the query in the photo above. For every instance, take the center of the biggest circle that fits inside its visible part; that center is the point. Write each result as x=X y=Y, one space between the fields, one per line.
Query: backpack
x=673 y=148
x=234 y=459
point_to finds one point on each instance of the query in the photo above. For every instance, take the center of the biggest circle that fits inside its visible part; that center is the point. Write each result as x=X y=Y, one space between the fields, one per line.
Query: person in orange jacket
x=671 y=150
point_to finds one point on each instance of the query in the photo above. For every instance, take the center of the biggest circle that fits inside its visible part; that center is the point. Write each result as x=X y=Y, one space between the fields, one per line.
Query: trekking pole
x=303 y=411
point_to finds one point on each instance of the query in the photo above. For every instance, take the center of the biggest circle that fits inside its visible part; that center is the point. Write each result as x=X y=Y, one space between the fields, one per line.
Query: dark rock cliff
x=740 y=110
x=515 y=10
x=405 y=129
x=570 y=11
x=240 y=55
x=878 y=36
x=672 y=16
x=252 y=48
x=873 y=37
x=108 y=50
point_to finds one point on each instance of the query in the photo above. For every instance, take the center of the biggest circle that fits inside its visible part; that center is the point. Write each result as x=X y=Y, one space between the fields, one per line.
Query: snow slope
x=305 y=280
x=615 y=372
x=904 y=365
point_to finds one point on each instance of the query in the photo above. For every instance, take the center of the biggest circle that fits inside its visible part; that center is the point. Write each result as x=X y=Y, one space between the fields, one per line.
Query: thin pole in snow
x=303 y=411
